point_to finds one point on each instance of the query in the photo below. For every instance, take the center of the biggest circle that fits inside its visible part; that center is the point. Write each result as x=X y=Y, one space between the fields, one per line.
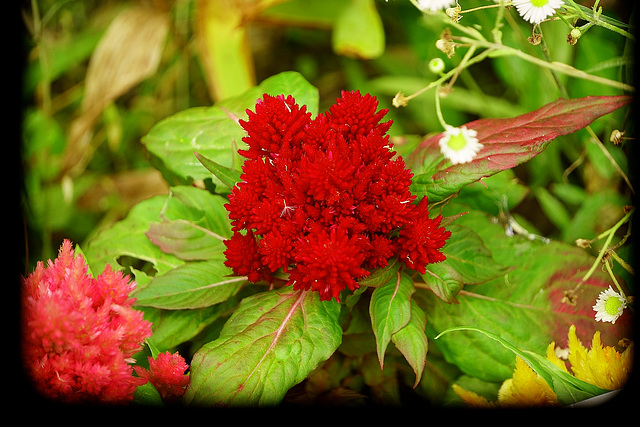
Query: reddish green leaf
x=194 y=225
x=390 y=310
x=507 y=143
x=468 y=262
x=192 y=285
x=380 y=276
x=186 y=240
x=412 y=341
x=271 y=342
x=525 y=306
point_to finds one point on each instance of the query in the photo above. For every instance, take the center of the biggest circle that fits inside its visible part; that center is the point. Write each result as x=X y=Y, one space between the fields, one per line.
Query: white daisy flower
x=433 y=5
x=459 y=145
x=535 y=11
x=609 y=306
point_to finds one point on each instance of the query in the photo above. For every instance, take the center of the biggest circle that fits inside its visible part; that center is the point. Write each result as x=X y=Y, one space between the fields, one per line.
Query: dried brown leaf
x=129 y=52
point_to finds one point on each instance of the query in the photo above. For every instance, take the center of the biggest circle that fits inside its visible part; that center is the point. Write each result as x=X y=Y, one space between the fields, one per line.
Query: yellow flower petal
x=601 y=366
x=472 y=399
x=526 y=388
x=553 y=357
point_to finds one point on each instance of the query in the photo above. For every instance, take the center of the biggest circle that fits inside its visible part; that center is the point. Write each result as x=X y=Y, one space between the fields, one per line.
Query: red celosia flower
x=79 y=333
x=328 y=262
x=167 y=374
x=324 y=199
x=420 y=242
x=243 y=257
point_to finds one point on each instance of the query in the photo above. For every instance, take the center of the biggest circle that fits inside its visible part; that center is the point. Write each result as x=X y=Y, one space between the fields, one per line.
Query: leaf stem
x=607 y=264
x=609 y=233
x=495 y=50
x=401 y=100
x=439 y=110
x=500 y=50
x=595 y=18
x=611 y=159
x=623 y=263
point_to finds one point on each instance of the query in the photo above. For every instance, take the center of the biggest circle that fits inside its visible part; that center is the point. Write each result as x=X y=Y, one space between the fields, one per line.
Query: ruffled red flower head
x=167 y=374
x=79 y=332
x=324 y=199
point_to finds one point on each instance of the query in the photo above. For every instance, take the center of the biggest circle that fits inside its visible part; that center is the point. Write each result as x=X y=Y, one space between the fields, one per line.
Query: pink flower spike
x=167 y=374
x=79 y=333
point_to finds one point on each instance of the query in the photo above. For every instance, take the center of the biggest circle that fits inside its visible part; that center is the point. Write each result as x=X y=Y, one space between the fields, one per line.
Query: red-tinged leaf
x=579 y=309
x=190 y=286
x=412 y=341
x=271 y=343
x=507 y=143
x=186 y=240
x=525 y=306
x=390 y=310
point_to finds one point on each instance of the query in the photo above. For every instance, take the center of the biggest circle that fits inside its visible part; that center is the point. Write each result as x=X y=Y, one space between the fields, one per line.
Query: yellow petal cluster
x=601 y=366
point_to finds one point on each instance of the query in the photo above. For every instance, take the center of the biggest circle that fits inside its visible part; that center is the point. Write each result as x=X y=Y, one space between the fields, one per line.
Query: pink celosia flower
x=79 y=333
x=166 y=373
x=324 y=199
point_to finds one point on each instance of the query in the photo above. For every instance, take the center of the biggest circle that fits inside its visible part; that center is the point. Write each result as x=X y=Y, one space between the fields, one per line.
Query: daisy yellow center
x=612 y=305
x=539 y=3
x=457 y=142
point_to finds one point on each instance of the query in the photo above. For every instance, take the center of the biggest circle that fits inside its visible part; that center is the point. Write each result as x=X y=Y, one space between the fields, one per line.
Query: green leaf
x=444 y=281
x=552 y=208
x=412 y=341
x=147 y=395
x=200 y=207
x=214 y=132
x=380 y=276
x=186 y=240
x=194 y=225
x=468 y=255
x=294 y=84
x=62 y=56
x=468 y=261
x=192 y=285
x=494 y=193
x=152 y=349
x=271 y=342
x=358 y=31
x=174 y=327
x=525 y=305
x=127 y=238
x=304 y=13
x=567 y=388
x=390 y=310
x=227 y=176
x=211 y=131
x=188 y=215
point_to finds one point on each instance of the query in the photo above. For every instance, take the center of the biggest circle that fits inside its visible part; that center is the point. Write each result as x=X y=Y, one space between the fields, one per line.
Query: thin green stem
x=607 y=265
x=478 y=58
x=502 y=50
x=610 y=158
x=554 y=74
x=463 y=64
x=488 y=6
x=595 y=19
x=497 y=34
x=439 y=110
x=623 y=263
x=610 y=233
